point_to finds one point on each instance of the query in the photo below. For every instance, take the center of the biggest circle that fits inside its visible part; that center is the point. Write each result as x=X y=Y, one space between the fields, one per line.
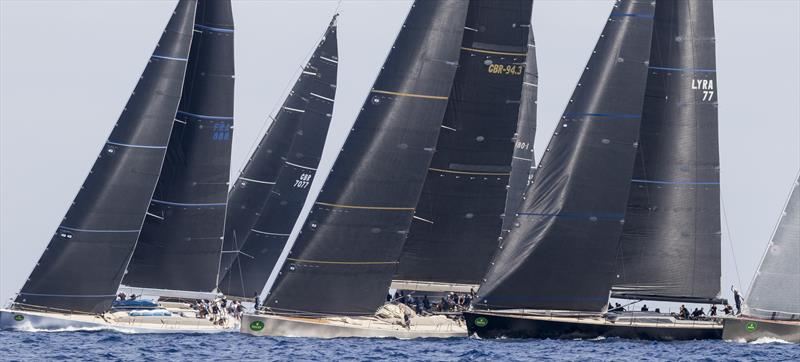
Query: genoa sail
x=771 y=293
x=256 y=251
x=343 y=260
x=460 y=212
x=560 y=252
x=523 y=163
x=82 y=266
x=671 y=242
x=181 y=240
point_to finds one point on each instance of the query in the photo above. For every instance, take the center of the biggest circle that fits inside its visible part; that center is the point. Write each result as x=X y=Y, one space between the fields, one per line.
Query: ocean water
x=114 y=346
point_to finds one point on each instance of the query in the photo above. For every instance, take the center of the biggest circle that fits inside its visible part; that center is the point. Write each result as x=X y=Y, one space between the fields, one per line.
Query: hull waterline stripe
x=493 y=52
x=211 y=28
x=98 y=230
x=321 y=97
x=257 y=181
x=136 y=146
x=266 y=233
x=343 y=262
x=366 y=207
x=296 y=165
x=470 y=173
x=693 y=70
x=187 y=205
x=203 y=116
x=169 y=58
x=412 y=95
x=662 y=182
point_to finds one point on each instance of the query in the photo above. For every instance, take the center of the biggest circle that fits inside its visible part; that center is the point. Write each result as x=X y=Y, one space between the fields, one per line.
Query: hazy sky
x=68 y=67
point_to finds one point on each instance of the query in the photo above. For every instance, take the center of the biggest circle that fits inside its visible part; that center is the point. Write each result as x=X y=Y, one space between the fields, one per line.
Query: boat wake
x=31 y=329
x=768 y=340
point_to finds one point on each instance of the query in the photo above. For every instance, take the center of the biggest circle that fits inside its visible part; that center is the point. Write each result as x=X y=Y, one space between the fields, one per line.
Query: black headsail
x=344 y=258
x=670 y=246
x=523 y=162
x=774 y=292
x=85 y=260
x=181 y=239
x=560 y=252
x=260 y=246
x=459 y=215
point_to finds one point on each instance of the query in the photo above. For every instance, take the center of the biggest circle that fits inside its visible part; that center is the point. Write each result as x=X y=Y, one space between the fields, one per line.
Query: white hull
x=341 y=327
x=50 y=321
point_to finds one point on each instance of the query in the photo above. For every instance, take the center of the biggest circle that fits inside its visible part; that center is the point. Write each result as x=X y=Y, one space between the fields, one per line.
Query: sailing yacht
x=180 y=110
x=772 y=307
x=269 y=194
x=478 y=169
x=606 y=213
x=337 y=272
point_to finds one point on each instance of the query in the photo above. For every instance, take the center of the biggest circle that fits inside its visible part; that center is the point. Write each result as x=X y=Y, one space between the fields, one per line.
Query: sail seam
x=203 y=116
x=675 y=182
x=135 y=146
x=493 y=52
x=696 y=70
x=268 y=233
x=97 y=230
x=388 y=208
x=413 y=95
x=470 y=173
x=296 y=165
x=188 y=205
x=575 y=215
x=257 y=181
x=330 y=60
x=321 y=97
x=294 y=109
x=169 y=58
x=211 y=28
x=343 y=262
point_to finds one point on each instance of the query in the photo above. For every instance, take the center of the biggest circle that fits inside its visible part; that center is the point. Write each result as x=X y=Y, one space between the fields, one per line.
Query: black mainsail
x=523 y=163
x=775 y=290
x=343 y=260
x=460 y=212
x=560 y=252
x=181 y=240
x=670 y=246
x=255 y=250
x=82 y=266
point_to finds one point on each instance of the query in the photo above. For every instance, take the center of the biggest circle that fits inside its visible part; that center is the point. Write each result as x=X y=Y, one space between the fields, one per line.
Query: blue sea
x=114 y=346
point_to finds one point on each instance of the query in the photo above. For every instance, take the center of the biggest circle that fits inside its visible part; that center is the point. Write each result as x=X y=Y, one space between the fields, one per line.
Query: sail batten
x=84 y=262
x=362 y=214
x=254 y=254
x=180 y=248
x=465 y=191
x=559 y=254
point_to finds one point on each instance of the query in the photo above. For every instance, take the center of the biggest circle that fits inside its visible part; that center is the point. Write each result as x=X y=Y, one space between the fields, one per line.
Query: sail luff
x=560 y=252
x=459 y=215
x=343 y=259
x=671 y=243
x=523 y=164
x=181 y=240
x=84 y=262
x=259 y=249
x=771 y=293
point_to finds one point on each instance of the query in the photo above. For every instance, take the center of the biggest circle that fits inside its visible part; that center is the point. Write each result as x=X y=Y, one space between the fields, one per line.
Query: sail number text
x=303 y=181
x=706 y=86
x=505 y=69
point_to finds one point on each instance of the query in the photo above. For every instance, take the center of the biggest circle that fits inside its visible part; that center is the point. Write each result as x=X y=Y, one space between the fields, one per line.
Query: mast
x=343 y=260
x=774 y=292
x=671 y=243
x=560 y=253
x=523 y=163
x=460 y=212
x=309 y=107
x=181 y=240
x=83 y=264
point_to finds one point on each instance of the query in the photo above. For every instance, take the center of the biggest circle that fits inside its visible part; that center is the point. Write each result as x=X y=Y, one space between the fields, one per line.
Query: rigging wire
x=730 y=240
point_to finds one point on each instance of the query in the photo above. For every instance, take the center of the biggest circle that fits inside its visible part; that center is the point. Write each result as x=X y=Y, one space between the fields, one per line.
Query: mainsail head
x=560 y=252
x=82 y=266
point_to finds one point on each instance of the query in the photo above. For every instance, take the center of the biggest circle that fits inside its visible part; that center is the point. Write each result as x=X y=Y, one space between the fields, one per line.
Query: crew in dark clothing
x=737 y=299
x=388 y=297
x=426 y=304
x=684 y=313
x=644 y=308
x=256 y=302
x=132 y=297
x=713 y=311
x=396 y=296
x=121 y=296
x=728 y=309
